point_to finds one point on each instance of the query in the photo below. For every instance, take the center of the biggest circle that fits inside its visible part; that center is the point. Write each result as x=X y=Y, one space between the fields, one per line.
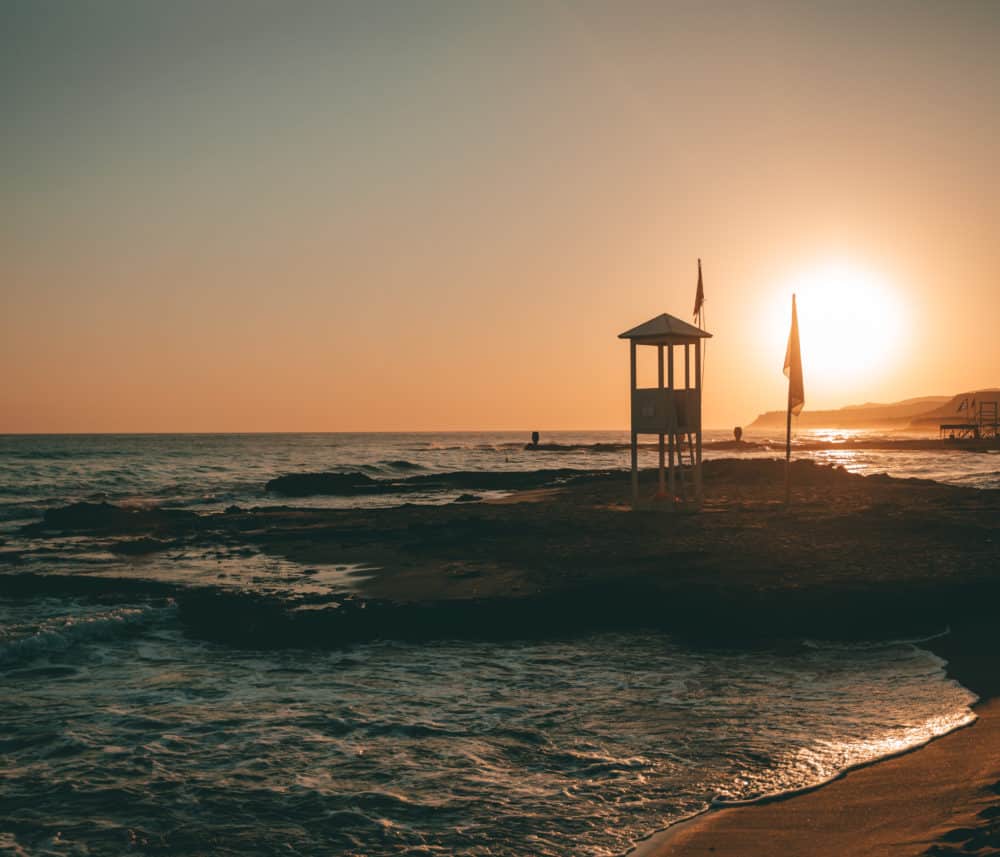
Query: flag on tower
x=699 y=296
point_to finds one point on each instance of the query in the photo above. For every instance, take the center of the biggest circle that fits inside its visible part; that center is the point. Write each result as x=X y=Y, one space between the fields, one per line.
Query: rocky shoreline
x=852 y=557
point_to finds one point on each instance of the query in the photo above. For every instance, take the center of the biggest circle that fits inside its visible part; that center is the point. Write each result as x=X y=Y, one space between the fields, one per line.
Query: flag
x=793 y=367
x=699 y=296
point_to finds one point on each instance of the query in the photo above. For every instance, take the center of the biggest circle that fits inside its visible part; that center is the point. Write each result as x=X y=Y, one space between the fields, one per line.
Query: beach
x=931 y=801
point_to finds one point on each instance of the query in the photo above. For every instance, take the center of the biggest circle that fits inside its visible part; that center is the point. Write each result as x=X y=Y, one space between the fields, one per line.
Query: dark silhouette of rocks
x=852 y=557
x=350 y=484
x=312 y=484
x=98 y=517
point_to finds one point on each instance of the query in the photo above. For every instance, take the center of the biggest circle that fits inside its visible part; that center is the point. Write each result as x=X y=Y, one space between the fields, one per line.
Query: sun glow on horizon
x=851 y=324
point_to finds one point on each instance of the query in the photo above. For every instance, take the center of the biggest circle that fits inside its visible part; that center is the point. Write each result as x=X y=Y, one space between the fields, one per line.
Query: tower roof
x=664 y=330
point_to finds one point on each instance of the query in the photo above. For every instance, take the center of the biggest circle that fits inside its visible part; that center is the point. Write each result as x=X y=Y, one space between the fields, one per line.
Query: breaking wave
x=19 y=643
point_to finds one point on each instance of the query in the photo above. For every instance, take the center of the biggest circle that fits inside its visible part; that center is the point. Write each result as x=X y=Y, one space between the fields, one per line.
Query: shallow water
x=119 y=729
x=119 y=732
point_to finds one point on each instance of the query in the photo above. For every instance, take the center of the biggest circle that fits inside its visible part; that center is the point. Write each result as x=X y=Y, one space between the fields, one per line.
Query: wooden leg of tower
x=671 y=487
x=698 y=491
x=662 y=490
x=681 y=475
x=682 y=487
x=635 y=470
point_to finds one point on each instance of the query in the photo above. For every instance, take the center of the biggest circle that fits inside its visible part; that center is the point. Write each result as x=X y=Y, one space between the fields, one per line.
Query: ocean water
x=121 y=733
x=207 y=472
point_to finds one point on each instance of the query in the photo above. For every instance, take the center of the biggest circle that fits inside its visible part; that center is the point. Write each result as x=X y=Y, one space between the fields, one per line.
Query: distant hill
x=920 y=413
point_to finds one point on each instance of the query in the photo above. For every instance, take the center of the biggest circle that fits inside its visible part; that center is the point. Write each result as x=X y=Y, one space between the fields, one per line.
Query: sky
x=262 y=216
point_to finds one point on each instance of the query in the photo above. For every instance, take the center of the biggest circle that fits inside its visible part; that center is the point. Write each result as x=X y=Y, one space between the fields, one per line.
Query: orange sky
x=440 y=216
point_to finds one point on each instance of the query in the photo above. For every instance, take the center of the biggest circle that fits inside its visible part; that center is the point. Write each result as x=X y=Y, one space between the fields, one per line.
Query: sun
x=851 y=325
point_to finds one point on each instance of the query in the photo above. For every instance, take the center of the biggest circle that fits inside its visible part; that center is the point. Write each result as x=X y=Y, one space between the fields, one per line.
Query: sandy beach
x=938 y=800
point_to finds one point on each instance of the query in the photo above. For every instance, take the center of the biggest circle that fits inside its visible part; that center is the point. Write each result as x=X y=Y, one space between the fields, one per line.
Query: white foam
x=59 y=633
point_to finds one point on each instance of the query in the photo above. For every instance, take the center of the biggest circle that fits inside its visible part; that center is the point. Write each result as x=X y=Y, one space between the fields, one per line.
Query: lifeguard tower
x=672 y=409
x=981 y=423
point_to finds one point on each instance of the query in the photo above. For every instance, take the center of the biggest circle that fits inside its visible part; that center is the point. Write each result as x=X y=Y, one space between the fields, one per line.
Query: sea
x=120 y=732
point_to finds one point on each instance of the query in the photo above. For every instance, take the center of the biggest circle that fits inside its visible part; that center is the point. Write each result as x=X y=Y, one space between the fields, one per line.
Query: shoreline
x=748 y=569
x=822 y=819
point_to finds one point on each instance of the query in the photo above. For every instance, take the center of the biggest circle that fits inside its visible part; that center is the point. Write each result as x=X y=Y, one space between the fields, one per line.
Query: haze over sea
x=118 y=730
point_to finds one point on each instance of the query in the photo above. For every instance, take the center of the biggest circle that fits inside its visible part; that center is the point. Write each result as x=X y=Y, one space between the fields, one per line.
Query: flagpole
x=700 y=303
x=792 y=356
x=788 y=446
x=704 y=347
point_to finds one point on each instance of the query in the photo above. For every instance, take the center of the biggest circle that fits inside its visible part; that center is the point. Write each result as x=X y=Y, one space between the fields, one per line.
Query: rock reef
x=851 y=557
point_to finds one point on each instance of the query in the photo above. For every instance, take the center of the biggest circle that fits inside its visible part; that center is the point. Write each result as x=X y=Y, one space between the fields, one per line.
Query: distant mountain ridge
x=918 y=413
x=919 y=400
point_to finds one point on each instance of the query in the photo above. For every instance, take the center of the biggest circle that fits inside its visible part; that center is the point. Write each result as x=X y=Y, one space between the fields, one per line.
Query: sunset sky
x=429 y=216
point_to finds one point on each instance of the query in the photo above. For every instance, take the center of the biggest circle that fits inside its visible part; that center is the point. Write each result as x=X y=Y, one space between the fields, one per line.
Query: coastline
x=748 y=569
x=941 y=798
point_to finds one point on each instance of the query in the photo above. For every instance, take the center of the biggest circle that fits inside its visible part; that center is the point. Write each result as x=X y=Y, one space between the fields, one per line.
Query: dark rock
x=467 y=498
x=104 y=517
x=86 y=516
x=306 y=484
x=980 y=840
x=959 y=834
x=347 y=484
x=942 y=851
x=139 y=547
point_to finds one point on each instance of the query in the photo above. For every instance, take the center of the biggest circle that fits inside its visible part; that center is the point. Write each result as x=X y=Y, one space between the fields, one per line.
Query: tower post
x=661 y=484
x=635 y=436
x=698 y=493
